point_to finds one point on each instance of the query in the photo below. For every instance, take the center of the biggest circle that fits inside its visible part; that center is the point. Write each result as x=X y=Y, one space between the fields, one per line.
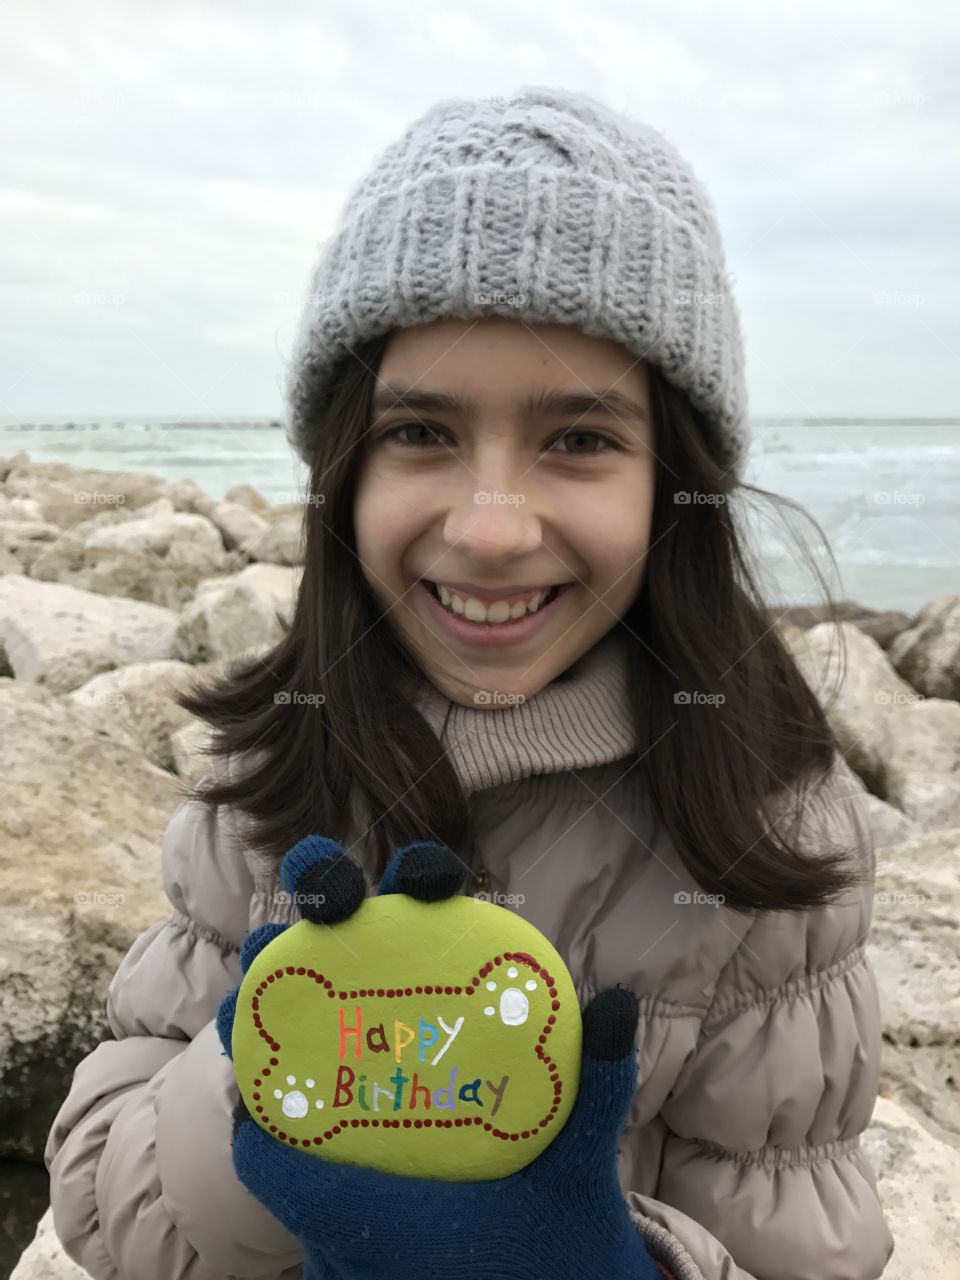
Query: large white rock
x=68 y=495
x=134 y=575
x=858 y=689
x=231 y=616
x=20 y=508
x=45 y=1259
x=281 y=542
x=164 y=534
x=247 y=496
x=60 y=636
x=905 y=746
x=928 y=653
x=24 y=542
x=914 y=940
x=81 y=822
x=238 y=525
x=918 y=1173
x=136 y=702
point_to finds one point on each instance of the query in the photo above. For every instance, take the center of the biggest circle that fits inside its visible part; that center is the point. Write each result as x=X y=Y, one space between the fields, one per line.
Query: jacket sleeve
x=142 y=1185
x=762 y=1174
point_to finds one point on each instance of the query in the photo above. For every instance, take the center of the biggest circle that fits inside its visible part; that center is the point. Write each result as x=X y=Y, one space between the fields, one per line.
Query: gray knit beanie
x=544 y=206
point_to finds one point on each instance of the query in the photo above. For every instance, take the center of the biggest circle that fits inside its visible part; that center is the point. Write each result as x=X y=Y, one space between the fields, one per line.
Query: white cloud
x=169 y=171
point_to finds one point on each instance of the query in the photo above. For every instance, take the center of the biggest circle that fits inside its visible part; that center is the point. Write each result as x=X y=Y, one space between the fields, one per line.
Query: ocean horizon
x=883 y=490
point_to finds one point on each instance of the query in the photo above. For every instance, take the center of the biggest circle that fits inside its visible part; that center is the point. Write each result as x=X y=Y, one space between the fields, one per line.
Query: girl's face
x=481 y=481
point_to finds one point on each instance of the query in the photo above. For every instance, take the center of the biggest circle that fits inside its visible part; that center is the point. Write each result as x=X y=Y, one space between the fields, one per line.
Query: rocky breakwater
x=117 y=588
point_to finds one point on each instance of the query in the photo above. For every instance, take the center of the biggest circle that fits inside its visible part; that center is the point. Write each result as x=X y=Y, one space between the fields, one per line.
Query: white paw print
x=514 y=1005
x=295 y=1104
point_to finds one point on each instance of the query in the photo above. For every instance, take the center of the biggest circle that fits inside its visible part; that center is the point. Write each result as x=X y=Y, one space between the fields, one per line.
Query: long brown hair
x=324 y=714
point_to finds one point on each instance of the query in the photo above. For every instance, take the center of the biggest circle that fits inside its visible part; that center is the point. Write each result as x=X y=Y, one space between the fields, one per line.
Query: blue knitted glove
x=561 y=1217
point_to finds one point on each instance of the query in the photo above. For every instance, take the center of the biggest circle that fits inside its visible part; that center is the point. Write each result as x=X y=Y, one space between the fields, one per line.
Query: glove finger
x=608 y=1079
x=426 y=870
x=323 y=880
x=225 y=1015
x=256 y=940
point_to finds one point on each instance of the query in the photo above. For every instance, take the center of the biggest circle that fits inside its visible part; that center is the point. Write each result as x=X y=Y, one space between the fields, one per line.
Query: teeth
x=494 y=611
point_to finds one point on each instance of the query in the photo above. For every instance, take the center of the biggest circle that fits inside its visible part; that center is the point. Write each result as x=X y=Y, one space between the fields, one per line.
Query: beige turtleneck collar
x=580 y=718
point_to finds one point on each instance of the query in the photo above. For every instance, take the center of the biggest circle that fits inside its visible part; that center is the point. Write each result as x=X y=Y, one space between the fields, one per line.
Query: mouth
x=509 y=620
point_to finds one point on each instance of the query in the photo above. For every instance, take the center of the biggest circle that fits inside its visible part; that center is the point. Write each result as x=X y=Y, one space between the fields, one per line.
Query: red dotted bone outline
x=318 y=1140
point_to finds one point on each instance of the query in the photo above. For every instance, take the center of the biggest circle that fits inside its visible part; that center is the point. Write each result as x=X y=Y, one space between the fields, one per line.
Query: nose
x=488 y=525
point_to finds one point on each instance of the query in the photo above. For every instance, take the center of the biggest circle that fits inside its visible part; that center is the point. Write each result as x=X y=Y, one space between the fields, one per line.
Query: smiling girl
x=530 y=631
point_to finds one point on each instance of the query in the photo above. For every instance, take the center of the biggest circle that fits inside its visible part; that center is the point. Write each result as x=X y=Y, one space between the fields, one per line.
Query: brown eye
x=392 y=433
x=577 y=434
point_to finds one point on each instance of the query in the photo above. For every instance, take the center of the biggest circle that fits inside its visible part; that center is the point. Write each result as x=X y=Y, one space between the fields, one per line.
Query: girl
x=552 y=658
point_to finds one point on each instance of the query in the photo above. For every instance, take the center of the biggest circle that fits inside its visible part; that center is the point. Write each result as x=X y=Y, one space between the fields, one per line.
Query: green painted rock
x=431 y=1039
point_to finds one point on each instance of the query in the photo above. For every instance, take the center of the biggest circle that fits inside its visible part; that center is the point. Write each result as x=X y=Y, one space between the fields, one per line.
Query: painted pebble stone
x=430 y=1039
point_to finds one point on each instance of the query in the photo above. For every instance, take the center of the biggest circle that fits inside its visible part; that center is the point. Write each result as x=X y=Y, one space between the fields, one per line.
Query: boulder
x=23 y=542
x=914 y=940
x=906 y=747
x=19 y=508
x=134 y=575
x=164 y=534
x=230 y=616
x=68 y=495
x=12 y=462
x=80 y=832
x=186 y=495
x=917 y=1168
x=45 y=1259
x=281 y=543
x=61 y=636
x=121 y=515
x=238 y=525
x=928 y=653
x=136 y=702
x=880 y=625
x=247 y=496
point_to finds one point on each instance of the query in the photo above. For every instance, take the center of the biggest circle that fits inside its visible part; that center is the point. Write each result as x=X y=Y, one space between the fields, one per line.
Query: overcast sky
x=169 y=169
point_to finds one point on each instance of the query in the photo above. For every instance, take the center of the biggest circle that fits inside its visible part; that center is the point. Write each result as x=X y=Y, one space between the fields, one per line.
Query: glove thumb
x=608 y=1079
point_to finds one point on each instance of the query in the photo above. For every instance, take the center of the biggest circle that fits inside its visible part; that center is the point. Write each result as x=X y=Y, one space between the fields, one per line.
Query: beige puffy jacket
x=758 y=1043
